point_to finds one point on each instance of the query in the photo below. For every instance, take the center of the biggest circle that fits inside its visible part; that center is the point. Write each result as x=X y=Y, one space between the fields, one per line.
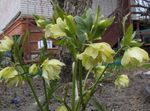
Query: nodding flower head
x=96 y=53
x=6 y=44
x=51 y=69
x=134 y=56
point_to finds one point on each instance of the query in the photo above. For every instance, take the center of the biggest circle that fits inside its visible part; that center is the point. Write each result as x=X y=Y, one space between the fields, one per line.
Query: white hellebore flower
x=122 y=81
x=96 y=53
x=6 y=44
x=51 y=69
x=33 y=69
x=134 y=56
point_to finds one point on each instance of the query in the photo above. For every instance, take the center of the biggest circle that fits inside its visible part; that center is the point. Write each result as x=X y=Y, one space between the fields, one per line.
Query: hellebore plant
x=90 y=59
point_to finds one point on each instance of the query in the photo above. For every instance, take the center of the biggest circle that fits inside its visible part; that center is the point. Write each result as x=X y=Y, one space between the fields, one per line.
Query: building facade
x=16 y=18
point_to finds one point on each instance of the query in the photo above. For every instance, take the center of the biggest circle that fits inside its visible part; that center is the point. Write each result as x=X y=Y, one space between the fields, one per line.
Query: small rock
x=143 y=75
x=16 y=101
x=138 y=73
x=147 y=73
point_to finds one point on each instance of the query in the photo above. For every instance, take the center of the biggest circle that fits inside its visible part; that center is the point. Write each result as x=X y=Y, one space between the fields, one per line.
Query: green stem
x=87 y=75
x=74 y=85
x=32 y=89
x=97 y=81
x=46 y=97
x=65 y=97
x=80 y=102
x=94 y=87
x=34 y=94
x=79 y=105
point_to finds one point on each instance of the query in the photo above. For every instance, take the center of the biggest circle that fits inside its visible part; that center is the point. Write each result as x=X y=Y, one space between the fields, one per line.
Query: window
x=41 y=44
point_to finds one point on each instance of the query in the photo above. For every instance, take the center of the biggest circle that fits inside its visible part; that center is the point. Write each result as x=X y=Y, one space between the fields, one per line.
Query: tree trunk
x=75 y=7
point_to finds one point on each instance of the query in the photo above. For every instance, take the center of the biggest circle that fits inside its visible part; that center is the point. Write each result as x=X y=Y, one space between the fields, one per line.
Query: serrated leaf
x=81 y=30
x=80 y=23
x=135 y=43
x=128 y=36
x=101 y=27
x=89 y=19
x=124 y=20
x=57 y=12
x=70 y=23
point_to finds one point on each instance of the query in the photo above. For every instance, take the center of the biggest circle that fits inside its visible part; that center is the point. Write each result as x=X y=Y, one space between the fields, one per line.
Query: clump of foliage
x=92 y=59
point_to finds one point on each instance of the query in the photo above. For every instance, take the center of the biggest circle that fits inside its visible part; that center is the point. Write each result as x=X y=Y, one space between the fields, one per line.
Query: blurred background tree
x=75 y=7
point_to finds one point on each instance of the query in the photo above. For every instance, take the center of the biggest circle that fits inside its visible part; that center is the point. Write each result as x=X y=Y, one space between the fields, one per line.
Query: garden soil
x=132 y=98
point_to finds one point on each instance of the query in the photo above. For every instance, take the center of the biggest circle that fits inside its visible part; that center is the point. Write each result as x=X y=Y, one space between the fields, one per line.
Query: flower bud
x=33 y=69
x=122 y=81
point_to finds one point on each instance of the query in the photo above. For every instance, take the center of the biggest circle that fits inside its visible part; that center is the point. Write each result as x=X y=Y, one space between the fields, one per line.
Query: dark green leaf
x=89 y=19
x=97 y=16
x=57 y=12
x=80 y=24
x=81 y=37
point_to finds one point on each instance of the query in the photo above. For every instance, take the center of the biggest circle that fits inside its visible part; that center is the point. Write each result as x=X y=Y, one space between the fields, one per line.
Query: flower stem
x=34 y=94
x=80 y=84
x=87 y=75
x=74 y=85
x=98 y=80
x=46 y=97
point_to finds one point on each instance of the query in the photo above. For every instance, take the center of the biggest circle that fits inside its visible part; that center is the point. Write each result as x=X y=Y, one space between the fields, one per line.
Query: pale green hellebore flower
x=8 y=73
x=33 y=69
x=51 y=69
x=96 y=53
x=6 y=44
x=122 y=81
x=48 y=31
x=98 y=70
x=56 y=30
x=11 y=76
x=62 y=108
x=41 y=23
x=134 y=56
x=15 y=81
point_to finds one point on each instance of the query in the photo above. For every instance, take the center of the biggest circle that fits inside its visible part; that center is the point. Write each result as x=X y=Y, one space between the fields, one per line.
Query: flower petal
x=134 y=56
